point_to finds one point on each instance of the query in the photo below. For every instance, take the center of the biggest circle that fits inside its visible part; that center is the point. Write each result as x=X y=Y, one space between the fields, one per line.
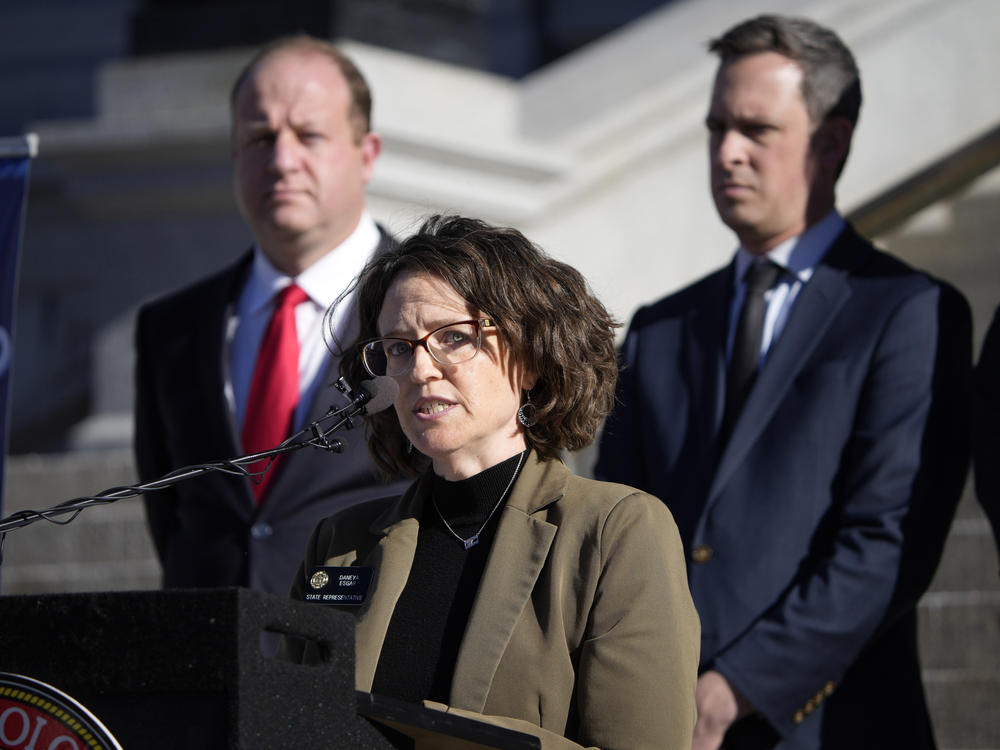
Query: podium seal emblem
x=36 y=715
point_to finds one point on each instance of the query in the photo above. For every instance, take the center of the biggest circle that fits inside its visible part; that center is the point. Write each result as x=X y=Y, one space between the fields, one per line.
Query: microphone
x=381 y=392
x=371 y=397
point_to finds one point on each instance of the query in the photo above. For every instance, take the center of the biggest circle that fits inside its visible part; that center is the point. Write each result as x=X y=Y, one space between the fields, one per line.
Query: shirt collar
x=801 y=254
x=324 y=280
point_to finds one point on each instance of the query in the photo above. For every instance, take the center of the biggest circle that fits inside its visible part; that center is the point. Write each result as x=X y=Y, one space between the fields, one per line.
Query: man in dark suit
x=235 y=363
x=804 y=414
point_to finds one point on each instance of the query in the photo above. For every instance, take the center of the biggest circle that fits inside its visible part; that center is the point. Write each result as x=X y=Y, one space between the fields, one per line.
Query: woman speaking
x=504 y=586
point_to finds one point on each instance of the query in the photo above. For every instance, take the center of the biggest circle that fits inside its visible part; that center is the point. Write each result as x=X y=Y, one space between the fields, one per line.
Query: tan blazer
x=583 y=627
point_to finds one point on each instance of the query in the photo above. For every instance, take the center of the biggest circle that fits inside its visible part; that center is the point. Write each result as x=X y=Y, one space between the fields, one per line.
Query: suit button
x=810 y=706
x=828 y=688
x=701 y=554
x=799 y=717
x=261 y=530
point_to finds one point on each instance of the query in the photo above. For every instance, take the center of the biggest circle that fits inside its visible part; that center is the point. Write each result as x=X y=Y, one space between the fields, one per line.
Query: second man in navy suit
x=803 y=412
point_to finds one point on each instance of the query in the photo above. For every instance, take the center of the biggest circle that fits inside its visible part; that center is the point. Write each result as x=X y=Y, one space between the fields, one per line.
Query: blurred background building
x=578 y=121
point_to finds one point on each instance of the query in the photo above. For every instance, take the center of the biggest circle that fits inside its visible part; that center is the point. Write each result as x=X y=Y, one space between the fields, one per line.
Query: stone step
x=963 y=707
x=960 y=630
x=60 y=577
x=102 y=533
x=105 y=548
x=41 y=480
x=968 y=505
x=958 y=233
x=969 y=561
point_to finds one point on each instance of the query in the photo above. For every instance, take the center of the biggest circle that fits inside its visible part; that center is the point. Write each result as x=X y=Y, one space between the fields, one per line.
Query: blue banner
x=15 y=159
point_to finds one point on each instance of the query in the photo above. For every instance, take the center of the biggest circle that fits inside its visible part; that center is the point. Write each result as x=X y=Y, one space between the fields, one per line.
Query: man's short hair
x=831 y=84
x=361 y=96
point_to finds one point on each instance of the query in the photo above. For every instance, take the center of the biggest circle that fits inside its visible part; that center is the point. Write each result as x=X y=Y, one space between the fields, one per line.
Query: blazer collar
x=539 y=484
x=523 y=535
x=519 y=552
x=815 y=308
x=706 y=359
x=390 y=559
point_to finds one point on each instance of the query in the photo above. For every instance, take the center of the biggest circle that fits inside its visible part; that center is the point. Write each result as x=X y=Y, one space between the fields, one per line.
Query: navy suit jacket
x=811 y=534
x=208 y=531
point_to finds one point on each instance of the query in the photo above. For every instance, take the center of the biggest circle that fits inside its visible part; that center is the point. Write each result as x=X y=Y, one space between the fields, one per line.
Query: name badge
x=330 y=585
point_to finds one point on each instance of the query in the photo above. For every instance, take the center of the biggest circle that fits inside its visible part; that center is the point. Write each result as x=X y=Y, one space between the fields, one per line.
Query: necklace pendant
x=471 y=542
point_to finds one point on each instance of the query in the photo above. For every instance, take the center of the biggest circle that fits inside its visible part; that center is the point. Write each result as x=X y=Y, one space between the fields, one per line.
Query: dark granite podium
x=184 y=669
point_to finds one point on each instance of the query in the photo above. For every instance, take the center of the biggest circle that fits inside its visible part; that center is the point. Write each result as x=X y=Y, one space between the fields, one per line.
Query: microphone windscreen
x=383 y=391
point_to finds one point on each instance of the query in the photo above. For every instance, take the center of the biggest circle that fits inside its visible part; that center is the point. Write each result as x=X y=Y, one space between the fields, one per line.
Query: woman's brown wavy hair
x=546 y=316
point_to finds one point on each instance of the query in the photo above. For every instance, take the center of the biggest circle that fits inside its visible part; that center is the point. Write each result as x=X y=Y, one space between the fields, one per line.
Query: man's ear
x=832 y=141
x=371 y=147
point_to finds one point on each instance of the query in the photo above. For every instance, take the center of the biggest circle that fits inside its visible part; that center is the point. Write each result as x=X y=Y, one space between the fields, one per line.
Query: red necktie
x=274 y=389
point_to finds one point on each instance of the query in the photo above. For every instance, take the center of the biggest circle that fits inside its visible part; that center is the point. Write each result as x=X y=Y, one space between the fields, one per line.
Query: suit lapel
x=326 y=395
x=208 y=337
x=705 y=358
x=519 y=551
x=323 y=398
x=814 y=310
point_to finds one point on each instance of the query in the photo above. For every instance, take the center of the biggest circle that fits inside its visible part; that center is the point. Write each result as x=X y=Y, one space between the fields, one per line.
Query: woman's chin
x=432 y=446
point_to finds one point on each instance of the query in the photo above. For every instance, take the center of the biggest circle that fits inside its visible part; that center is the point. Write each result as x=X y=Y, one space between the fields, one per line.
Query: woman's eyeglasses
x=448 y=345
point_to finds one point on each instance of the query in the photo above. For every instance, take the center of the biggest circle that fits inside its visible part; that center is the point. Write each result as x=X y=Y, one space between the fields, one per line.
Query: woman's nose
x=423 y=365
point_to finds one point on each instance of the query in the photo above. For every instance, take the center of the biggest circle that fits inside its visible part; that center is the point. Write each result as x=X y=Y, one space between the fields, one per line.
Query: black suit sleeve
x=619 y=456
x=987 y=425
x=152 y=459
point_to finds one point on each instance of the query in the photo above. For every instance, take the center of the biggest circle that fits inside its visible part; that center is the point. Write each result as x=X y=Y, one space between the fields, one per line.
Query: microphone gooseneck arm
x=372 y=396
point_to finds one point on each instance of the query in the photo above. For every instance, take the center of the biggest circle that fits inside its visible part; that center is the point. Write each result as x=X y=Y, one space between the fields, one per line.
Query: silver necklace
x=473 y=540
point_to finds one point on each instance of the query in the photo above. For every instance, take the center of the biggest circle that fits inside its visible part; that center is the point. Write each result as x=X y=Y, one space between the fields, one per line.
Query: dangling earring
x=526 y=415
x=409 y=447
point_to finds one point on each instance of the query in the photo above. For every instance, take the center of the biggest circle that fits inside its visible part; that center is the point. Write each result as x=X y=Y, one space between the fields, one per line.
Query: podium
x=184 y=668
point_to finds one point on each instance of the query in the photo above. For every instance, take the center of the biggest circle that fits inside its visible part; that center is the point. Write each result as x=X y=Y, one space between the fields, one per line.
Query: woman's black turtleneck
x=421 y=645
